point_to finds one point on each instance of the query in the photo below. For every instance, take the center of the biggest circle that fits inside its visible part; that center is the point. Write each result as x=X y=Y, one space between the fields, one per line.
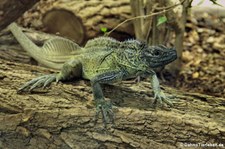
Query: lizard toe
x=37 y=84
x=160 y=99
x=49 y=80
x=168 y=102
x=27 y=85
x=41 y=81
x=105 y=108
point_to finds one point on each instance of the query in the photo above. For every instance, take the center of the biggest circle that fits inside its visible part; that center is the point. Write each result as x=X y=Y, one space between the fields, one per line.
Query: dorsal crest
x=102 y=42
x=59 y=46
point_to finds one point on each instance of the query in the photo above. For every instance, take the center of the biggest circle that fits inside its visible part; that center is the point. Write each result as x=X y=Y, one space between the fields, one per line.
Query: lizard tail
x=54 y=53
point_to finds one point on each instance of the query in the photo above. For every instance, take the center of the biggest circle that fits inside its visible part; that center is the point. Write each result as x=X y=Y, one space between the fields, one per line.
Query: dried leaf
x=195 y=75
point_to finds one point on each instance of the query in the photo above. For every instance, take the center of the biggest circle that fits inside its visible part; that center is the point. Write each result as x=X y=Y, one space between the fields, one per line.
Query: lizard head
x=157 y=56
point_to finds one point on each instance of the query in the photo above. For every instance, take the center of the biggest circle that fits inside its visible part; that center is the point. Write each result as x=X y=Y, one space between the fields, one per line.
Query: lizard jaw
x=169 y=57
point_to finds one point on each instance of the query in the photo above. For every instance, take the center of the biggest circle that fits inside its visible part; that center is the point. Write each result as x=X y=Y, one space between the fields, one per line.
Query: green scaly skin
x=105 y=60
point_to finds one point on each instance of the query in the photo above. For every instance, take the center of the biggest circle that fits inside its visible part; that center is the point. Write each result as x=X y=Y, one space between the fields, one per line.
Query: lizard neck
x=130 y=58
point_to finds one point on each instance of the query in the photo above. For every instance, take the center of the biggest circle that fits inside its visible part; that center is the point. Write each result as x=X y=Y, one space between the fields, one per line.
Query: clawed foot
x=105 y=107
x=42 y=81
x=160 y=98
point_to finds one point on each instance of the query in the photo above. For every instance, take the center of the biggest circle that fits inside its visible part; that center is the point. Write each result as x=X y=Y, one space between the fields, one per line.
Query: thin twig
x=169 y=7
x=145 y=16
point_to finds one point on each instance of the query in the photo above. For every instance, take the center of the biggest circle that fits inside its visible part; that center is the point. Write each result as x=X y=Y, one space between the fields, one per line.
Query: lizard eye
x=156 y=53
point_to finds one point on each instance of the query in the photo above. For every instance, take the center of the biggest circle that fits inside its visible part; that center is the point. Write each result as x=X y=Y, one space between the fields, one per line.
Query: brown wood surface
x=63 y=116
x=10 y=10
x=83 y=20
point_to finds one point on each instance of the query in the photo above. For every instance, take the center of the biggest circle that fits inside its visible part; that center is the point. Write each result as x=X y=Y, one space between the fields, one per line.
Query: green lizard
x=102 y=60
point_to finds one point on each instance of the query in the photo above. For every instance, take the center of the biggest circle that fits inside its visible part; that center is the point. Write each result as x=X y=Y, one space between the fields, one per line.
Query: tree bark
x=83 y=20
x=10 y=10
x=63 y=116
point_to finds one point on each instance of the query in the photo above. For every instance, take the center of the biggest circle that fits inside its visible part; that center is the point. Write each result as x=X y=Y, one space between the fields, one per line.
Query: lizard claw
x=42 y=81
x=160 y=98
x=105 y=108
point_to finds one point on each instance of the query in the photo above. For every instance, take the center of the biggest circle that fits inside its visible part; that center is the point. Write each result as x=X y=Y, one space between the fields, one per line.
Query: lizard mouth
x=171 y=57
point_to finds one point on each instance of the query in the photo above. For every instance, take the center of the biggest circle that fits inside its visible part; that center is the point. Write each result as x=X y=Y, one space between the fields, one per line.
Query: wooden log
x=63 y=116
x=83 y=20
x=10 y=10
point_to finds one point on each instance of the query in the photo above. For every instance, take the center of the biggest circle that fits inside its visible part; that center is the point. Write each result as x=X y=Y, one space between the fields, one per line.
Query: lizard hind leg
x=38 y=82
x=71 y=69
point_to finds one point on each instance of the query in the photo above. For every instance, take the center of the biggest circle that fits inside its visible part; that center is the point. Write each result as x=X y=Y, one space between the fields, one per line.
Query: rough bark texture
x=63 y=116
x=82 y=20
x=10 y=10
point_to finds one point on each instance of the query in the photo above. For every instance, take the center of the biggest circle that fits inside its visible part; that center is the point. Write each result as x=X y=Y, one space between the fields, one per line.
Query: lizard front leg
x=103 y=106
x=69 y=70
x=159 y=95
